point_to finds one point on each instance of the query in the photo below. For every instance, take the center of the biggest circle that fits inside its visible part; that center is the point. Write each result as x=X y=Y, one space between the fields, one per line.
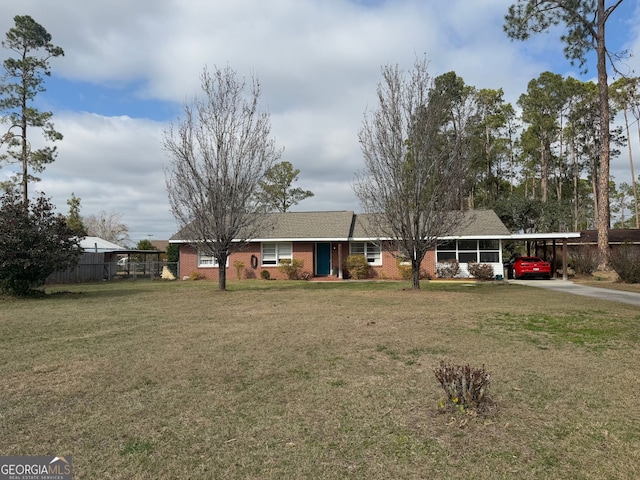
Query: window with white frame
x=272 y=253
x=207 y=260
x=469 y=251
x=371 y=251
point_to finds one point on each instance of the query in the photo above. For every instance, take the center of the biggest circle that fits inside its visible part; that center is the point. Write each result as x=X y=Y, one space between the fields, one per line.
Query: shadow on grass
x=128 y=288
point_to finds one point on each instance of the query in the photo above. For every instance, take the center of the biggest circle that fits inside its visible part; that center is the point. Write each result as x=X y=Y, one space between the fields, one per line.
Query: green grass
x=318 y=380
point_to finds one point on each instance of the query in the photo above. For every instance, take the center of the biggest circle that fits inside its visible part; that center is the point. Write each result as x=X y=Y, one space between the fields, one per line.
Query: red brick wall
x=301 y=250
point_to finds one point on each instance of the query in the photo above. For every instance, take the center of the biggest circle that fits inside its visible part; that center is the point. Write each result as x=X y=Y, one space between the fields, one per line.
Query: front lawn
x=283 y=380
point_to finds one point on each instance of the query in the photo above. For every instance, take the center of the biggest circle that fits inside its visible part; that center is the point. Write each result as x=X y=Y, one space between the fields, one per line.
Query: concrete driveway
x=584 y=290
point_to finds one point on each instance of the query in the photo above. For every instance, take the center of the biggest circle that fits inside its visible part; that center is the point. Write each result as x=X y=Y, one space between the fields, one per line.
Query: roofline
x=310 y=239
x=510 y=236
x=544 y=236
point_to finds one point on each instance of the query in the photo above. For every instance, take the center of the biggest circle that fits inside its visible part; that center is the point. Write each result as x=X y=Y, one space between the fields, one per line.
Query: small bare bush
x=306 y=275
x=481 y=271
x=447 y=269
x=464 y=386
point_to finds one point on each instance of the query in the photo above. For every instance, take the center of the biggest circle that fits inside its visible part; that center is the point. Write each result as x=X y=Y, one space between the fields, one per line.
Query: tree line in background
x=539 y=169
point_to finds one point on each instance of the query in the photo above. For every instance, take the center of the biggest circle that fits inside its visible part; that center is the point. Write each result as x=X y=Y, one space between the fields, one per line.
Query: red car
x=530 y=267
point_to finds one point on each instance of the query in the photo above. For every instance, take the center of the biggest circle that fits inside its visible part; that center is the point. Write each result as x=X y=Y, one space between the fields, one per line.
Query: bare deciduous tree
x=415 y=149
x=109 y=227
x=219 y=154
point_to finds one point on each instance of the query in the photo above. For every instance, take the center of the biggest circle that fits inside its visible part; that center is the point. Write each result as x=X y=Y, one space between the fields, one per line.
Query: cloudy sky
x=129 y=66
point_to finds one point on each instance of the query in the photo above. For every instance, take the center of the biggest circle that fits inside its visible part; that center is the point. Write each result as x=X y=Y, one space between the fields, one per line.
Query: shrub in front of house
x=357 y=266
x=265 y=275
x=481 y=271
x=584 y=260
x=447 y=269
x=405 y=270
x=306 y=275
x=239 y=266
x=291 y=267
x=625 y=260
x=404 y=267
x=196 y=275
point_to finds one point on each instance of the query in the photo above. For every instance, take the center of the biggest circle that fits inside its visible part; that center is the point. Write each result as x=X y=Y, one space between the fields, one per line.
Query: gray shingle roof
x=343 y=225
x=308 y=225
x=483 y=222
x=475 y=223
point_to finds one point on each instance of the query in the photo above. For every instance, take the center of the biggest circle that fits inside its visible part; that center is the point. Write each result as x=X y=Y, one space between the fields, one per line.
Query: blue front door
x=323 y=258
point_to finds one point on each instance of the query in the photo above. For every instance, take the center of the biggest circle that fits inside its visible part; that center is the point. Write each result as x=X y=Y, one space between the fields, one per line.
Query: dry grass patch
x=301 y=380
x=627 y=287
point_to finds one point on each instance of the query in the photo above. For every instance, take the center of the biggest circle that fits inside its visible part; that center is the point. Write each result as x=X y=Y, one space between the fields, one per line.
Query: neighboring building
x=98 y=245
x=617 y=236
x=98 y=262
x=323 y=240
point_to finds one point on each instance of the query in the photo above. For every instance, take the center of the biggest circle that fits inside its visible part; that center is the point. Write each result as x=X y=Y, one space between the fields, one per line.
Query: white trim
x=544 y=236
x=310 y=239
x=510 y=236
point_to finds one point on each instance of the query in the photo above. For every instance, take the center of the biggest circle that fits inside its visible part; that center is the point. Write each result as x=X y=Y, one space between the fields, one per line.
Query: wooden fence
x=92 y=267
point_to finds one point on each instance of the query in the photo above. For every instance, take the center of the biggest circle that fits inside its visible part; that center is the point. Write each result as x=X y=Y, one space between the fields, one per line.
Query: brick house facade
x=323 y=240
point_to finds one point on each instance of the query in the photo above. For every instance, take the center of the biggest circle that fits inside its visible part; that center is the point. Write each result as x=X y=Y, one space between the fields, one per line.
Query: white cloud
x=318 y=62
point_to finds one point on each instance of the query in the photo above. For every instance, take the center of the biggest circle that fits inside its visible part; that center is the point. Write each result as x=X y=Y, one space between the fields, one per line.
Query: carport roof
x=544 y=236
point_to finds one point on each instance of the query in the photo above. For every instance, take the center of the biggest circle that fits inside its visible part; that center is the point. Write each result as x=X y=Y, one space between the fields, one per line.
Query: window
x=489 y=257
x=206 y=260
x=272 y=253
x=447 y=251
x=468 y=251
x=371 y=251
x=489 y=251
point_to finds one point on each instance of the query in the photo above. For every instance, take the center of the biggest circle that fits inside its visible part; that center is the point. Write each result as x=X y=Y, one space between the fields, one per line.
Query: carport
x=555 y=238
x=145 y=258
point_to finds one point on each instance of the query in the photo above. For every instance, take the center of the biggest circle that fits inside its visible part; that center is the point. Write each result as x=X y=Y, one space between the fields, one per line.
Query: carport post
x=565 y=276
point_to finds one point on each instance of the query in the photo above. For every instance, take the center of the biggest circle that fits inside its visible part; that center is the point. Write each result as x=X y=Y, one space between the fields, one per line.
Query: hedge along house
x=323 y=240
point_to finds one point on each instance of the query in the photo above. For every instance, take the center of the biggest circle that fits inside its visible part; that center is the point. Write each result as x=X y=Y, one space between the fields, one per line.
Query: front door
x=323 y=259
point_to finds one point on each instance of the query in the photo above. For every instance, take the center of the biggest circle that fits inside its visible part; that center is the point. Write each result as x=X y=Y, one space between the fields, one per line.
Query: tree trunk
x=576 y=176
x=544 y=169
x=415 y=274
x=602 y=218
x=222 y=273
x=25 y=146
